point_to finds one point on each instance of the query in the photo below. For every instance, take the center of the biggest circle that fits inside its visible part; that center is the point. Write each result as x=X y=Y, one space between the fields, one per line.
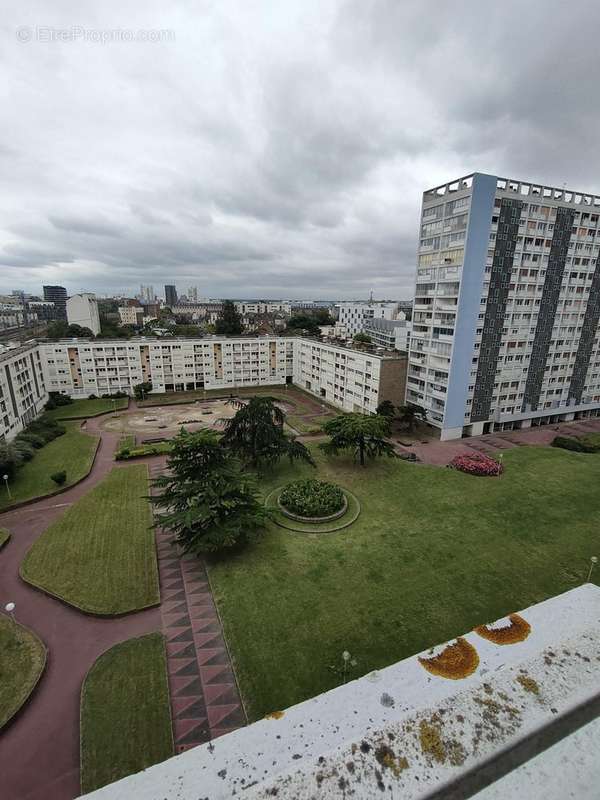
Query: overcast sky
x=274 y=148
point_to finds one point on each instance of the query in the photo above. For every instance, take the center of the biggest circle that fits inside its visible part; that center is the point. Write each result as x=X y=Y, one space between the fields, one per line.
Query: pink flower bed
x=476 y=464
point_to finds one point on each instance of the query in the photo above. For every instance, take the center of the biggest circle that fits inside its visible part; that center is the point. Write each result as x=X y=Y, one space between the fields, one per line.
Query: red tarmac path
x=39 y=749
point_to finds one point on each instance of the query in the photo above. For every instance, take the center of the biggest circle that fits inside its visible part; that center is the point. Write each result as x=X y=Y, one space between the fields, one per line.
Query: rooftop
x=520 y=188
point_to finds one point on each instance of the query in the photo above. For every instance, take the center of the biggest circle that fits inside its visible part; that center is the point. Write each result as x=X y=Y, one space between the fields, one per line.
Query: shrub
x=312 y=498
x=590 y=443
x=93 y=397
x=568 y=443
x=59 y=477
x=56 y=399
x=33 y=439
x=476 y=464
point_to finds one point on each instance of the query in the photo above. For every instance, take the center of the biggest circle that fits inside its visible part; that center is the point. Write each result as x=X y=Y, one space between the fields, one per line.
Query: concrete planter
x=298 y=518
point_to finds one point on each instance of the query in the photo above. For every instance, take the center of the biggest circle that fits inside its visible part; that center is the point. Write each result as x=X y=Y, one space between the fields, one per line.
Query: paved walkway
x=39 y=749
x=441 y=453
x=205 y=700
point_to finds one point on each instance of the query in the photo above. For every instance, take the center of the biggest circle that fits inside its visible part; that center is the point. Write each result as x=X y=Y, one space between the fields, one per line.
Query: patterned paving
x=205 y=701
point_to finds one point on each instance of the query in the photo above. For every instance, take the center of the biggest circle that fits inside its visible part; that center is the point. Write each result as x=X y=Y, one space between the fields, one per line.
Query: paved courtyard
x=441 y=453
x=168 y=419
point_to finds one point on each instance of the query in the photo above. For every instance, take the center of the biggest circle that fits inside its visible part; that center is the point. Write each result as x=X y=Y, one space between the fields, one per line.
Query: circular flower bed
x=477 y=464
x=338 y=521
x=312 y=499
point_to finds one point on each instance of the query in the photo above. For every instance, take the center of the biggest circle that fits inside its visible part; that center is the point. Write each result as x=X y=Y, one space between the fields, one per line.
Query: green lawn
x=100 y=555
x=125 y=712
x=80 y=409
x=4 y=537
x=22 y=660
x=73 y=452
x=434 y=553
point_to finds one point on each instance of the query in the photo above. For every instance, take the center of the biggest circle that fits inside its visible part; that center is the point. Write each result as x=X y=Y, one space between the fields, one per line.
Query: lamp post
x=10 y=610
x=7 y=487
x=114 y=405
x=593 y=562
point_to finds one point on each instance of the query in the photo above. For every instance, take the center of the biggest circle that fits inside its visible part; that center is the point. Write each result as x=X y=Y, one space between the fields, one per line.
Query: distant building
x=147 y=294
x=131 y=315
x=393 y=334
x=192 y=294
x=58 y=296
x=170 y=295
x=353 y=316
x=82 y=309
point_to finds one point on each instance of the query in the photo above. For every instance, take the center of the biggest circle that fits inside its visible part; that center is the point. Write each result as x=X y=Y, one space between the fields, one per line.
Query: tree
x=140 y=389
x=364 y=435
x=386 y=409
x=362 y=338
x=305 y=323
x=229 y=322
x=59 y=329
x=207 y=500
x=256 y=434
x=411 y=415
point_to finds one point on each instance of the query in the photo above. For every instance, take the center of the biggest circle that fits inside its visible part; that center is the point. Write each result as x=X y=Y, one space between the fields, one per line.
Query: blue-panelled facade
x=507 y=306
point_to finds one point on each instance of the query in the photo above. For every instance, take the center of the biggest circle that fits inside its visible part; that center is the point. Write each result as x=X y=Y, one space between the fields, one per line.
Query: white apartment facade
x=82 y=309
x=131 y=315
x=80 y=367
x=353 y=316
x=507 y=305
x=348 y=378
x=264 y=307
x=23 y=393
x=391 y=334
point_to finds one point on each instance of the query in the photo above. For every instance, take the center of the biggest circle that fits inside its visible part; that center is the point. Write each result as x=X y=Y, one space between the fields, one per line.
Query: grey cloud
x=280 y=153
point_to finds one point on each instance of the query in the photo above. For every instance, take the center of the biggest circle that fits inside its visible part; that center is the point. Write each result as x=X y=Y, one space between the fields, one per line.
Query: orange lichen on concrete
x=274 y=715
x=517 y=631
x=456 y=661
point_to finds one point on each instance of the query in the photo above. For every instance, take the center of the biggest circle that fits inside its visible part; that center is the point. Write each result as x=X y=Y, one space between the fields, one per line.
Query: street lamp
x=114 y=404
x=593 y=562
x=7 y=487
x=10 y=610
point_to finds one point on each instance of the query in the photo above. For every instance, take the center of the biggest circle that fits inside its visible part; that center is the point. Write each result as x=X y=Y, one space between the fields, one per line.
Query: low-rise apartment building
x=131 y=315
x=354 y=316
x=79 y=367
x=392 y=334
x=23 y=392
x=348 y=378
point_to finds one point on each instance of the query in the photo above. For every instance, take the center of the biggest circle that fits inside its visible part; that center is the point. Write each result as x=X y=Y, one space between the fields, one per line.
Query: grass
x=434 y=553
x=81 y=409
x=4 y=537
x=22 y=661
x=73 y=451
x=125 y=712
x=100 y=555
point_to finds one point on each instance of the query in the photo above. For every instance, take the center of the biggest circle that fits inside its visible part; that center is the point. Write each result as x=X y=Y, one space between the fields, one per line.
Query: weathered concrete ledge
x=406 y=733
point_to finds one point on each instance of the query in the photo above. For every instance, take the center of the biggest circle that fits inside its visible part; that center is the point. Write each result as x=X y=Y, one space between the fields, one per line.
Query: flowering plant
x=476 y=464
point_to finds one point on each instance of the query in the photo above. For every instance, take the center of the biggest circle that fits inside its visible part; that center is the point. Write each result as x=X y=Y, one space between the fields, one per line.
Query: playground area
x=169 y=419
